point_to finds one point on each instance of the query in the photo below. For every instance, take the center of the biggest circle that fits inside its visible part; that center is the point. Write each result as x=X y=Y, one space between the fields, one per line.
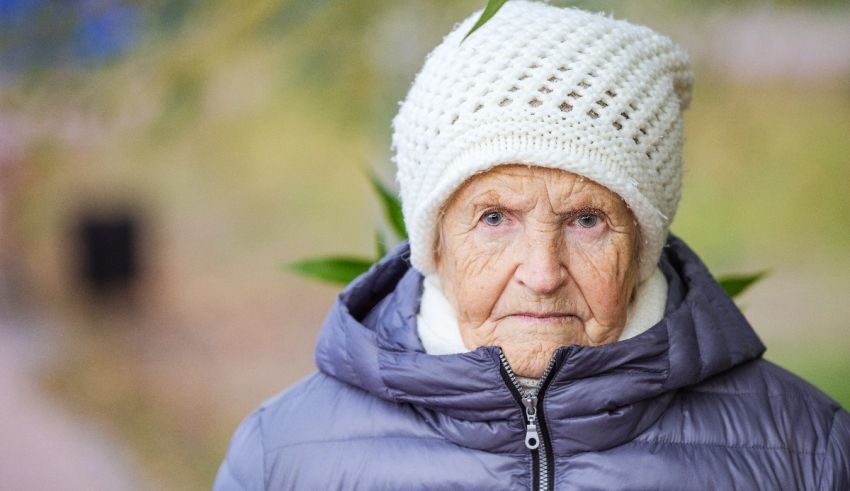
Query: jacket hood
x=598 y=397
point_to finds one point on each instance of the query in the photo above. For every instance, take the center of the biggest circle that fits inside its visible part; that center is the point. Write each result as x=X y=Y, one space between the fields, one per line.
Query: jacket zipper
x=536 y=438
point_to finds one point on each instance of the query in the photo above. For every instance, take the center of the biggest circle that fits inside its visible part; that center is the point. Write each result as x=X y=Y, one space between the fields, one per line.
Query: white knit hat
x=547 y=86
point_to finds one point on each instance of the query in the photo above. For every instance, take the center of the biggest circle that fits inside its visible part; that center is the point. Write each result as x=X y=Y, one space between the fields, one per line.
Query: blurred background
x=161 y=159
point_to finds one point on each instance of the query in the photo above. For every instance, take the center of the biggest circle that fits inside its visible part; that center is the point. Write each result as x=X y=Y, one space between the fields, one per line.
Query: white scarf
x=440 y=335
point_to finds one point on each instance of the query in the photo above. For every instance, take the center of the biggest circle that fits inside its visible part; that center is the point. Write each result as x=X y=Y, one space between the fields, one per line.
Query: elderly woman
x=541 y=329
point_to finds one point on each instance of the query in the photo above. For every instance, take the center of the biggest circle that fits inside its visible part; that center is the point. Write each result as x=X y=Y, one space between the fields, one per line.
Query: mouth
x=541 y=316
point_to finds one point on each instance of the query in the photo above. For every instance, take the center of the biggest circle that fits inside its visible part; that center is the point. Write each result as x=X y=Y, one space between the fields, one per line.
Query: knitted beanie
x=546 y=86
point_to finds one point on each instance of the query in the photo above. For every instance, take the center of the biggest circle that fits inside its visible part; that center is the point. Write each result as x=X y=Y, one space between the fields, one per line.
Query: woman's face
x=533 y=258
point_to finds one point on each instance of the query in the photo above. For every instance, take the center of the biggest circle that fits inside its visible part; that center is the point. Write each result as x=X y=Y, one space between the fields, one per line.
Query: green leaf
x=380 y=244
x=736 y=284
x=337 y=270
x=392 y=206
x=490 y=10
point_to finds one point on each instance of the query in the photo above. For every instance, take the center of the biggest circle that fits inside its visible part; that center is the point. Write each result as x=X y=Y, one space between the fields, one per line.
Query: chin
x=542 y=332
x=529 y=365
x=529 y=343
x=529 y=349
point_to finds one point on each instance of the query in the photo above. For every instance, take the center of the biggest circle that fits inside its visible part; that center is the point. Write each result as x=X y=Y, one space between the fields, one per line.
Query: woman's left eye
x=587 y=220
x=493 y=218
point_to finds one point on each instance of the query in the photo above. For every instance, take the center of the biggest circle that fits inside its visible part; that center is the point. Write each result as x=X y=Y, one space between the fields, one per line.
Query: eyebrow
x=492 y=197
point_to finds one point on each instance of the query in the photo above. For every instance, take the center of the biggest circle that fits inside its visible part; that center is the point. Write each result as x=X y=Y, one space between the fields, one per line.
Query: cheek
x=604 y=270
x=478 y=277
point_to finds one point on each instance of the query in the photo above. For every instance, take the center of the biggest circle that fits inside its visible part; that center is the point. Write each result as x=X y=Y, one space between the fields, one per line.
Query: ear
x=438 y=247
x=637 y=247
x=439 y=243
x=636 y=250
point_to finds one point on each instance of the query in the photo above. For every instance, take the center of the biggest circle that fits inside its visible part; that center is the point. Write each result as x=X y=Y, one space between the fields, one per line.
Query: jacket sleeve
x=835 y=470
x=243 y=468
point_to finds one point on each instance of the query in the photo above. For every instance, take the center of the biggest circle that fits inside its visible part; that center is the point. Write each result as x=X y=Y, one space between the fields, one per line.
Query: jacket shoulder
x=314 y=414
x=243 y=468
x=761 y=376
x=321 y=409
x=755 y=405
x=835 y=471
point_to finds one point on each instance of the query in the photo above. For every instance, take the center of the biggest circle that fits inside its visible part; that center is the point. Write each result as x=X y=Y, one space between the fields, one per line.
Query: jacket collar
x=598 y=397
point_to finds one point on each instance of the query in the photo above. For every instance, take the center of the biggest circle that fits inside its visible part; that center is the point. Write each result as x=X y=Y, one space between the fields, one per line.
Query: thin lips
x=542 y=315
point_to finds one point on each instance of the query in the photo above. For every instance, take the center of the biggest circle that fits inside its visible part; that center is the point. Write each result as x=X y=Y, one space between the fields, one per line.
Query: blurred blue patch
x=13 y=12
x=43 y=33
x=106 y=32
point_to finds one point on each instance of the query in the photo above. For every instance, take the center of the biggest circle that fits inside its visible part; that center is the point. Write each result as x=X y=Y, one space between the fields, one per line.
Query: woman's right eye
x=493 y=218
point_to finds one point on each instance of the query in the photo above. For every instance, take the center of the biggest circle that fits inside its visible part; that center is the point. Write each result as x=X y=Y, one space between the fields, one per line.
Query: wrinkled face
x=533 y=258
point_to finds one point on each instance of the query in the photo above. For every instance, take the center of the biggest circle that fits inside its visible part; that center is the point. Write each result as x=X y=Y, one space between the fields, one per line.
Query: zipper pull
x=532 y=439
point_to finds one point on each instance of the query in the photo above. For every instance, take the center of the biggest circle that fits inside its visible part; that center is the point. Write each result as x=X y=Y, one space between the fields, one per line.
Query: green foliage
x=736 y=284
x=337 y=270
x=380 y=244
x=392 y=206
x=341 y=270
x=490 y=10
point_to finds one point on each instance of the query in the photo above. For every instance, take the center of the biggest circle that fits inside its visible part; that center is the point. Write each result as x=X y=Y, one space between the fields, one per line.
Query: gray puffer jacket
x=688 y=404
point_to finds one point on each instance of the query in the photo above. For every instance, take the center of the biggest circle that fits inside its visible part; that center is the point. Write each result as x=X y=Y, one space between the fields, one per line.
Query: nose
x=541 y=268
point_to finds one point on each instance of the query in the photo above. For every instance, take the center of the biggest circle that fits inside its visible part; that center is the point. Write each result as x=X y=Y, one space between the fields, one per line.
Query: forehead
x=515 y=181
